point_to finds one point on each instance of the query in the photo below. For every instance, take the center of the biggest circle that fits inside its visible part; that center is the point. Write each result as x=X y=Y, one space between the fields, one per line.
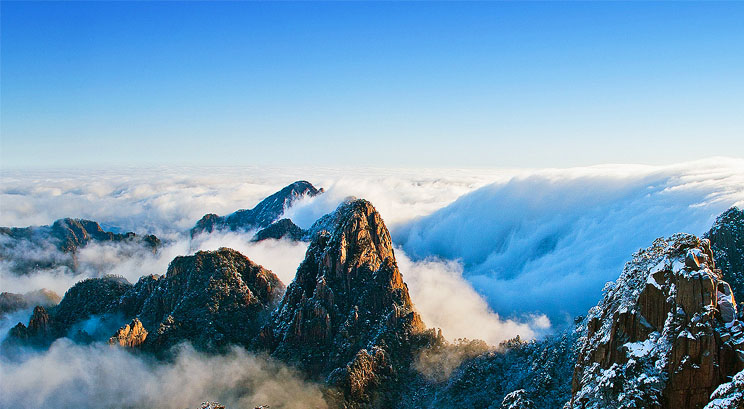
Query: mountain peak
x=348 y=308
x=262 y=215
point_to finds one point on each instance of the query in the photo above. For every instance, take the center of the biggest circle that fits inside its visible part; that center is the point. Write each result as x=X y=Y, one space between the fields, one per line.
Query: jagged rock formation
x=347 y=316
x=11 y=302
x=281 y=229
x=212 y=299
x=261 y=216
x=25 y=249
x=131 y=335
x=38 y=331
x=660 y=338
x=88 y=298
x=727 y=243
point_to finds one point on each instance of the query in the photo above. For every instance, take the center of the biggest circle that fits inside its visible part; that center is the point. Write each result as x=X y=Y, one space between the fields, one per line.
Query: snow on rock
x=657 y=339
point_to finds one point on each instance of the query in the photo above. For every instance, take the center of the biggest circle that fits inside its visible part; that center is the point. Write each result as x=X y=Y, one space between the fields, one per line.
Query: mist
x=547 y=242
x=99 y=375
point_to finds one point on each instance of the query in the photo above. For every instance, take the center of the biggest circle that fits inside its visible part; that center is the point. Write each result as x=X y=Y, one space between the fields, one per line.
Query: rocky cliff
x=664 y=334
x=727 y=243
x=261 y=216
x=347 y=317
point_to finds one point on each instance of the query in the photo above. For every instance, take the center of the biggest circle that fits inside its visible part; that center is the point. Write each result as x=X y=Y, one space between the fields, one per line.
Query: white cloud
x=95 y=376
x=548 y=241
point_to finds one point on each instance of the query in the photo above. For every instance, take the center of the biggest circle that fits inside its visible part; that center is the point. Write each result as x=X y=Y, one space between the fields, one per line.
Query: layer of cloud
x=447 y=301
x=96 y=376
x=548 y=241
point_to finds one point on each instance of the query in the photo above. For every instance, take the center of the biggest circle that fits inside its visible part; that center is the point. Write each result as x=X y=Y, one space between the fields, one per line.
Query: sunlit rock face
x=261 y=216
x=347 y=316
x=658 y=338
x=131 y=335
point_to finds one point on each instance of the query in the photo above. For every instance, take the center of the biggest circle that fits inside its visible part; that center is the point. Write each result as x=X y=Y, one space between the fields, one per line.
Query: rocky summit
x=665 y=335
x=259 y=217
x=347 y=317
x=212 y=299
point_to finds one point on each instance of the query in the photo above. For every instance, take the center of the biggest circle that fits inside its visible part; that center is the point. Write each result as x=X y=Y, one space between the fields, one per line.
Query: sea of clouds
x=487 y=254
x=507 y=249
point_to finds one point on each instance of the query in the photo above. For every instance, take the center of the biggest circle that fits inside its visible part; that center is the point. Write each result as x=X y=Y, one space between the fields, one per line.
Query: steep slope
x=347 y=316
x=727 y=243
x=25 y=249
x=261 y=216
x=664 y=335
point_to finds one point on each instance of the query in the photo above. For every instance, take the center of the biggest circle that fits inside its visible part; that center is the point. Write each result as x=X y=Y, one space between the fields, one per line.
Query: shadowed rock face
x=86 y=299
x=658 y=338
x=43 y=247
x=211 y=299
x=727 y=243
x=347 y=315
x=261 y=216
x=281 y=229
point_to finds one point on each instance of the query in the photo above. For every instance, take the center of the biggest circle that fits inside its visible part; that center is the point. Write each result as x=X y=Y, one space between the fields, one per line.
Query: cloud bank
x=547 y=241
x=98 y=376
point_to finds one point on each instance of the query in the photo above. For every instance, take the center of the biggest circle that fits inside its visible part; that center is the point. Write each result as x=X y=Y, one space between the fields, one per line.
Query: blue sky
x=373 y=84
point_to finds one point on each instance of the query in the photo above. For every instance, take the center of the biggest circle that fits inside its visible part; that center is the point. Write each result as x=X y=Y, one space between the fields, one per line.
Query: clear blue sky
x=375 y=84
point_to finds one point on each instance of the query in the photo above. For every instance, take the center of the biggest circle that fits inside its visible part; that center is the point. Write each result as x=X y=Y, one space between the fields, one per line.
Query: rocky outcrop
x=281 y=229
x=90 y=298
x=11 y=302
x=658 y=338
x=212 y=299
x=261 y=216
x=347 y=316
x=38 y=331
x=727 y=243
x=44 y=247
x=131 y=335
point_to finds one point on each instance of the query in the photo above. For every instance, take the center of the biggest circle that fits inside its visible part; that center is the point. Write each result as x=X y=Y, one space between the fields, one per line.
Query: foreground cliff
x=665 y=335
